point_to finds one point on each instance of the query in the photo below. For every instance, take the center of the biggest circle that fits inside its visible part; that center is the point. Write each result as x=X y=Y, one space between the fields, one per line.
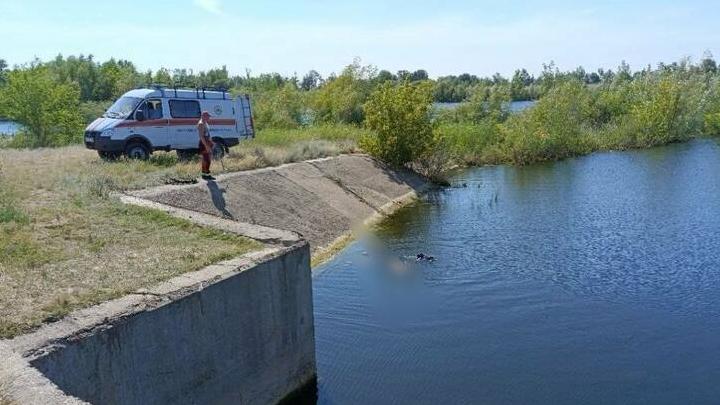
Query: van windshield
x=123 y=107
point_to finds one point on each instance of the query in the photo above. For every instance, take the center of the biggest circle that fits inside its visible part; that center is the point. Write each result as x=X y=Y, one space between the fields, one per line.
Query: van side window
x=184 y=109
x=154 y=109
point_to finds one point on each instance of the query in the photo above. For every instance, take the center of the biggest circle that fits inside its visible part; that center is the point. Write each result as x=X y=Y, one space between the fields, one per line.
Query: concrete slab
x=320 y=199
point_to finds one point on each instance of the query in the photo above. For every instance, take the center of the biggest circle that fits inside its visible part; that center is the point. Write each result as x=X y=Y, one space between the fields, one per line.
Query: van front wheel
x=137 y=150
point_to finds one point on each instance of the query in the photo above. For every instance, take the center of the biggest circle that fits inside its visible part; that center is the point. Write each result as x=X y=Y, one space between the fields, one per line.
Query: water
x=593 y=280
x=515 y=106
x=9 y=128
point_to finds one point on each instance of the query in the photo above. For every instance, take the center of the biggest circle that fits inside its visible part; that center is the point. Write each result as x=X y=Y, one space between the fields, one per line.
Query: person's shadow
x=218 y=199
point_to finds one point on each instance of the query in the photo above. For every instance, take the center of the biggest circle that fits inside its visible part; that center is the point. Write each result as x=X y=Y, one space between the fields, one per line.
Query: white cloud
x=211 y=6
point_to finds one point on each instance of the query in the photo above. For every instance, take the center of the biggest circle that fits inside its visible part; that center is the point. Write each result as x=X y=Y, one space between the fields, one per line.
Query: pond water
x=8 y=128
x=515 y=106
x=593 y=280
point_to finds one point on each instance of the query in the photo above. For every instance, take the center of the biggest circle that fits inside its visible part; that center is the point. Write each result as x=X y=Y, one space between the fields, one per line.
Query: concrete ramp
x=320 y=199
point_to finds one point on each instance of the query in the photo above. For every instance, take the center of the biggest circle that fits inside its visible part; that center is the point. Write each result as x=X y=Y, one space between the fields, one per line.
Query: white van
x=146 y=120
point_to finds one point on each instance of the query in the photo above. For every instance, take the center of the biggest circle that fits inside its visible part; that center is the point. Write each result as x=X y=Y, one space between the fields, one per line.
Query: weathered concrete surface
x=320 y=199
x=240 y=331
x=25 y=385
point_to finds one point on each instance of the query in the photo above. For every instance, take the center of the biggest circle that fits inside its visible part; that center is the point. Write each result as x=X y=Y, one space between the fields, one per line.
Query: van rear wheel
x=137 y=150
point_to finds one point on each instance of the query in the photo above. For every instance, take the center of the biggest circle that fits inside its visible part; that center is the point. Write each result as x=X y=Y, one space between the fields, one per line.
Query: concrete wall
x=240 y=336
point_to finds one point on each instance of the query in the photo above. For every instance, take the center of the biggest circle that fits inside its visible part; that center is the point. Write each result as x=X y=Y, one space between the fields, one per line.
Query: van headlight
x=108 y=133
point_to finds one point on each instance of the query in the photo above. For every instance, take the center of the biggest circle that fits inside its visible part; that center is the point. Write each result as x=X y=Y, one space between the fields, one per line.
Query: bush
x=470 y=143
x=554 y=128
x=48 y=111
x=341 y=99
x=711 y=121
x=400 y=116
x=282 y=108
x=712 y=124
x=485 y=102
x=668 y=109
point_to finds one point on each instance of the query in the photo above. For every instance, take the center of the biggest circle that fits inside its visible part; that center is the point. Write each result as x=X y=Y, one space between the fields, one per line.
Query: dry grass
x=66 y=244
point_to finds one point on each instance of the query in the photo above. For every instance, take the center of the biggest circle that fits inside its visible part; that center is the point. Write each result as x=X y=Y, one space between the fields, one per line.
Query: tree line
x=54 y=99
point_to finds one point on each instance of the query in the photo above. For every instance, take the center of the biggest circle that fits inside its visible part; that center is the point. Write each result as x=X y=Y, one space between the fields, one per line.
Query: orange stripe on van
x=175 y=122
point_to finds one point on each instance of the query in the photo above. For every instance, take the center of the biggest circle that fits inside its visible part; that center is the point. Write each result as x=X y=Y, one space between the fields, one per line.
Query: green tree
x=519 y=84
x=3 y=72
x=279 y=108
x=341 y=99
x=311 y=81
x=48 y=110
x=385 y=76
x=163 y=77
x=419 y=75
x=708 y=64
x=489 y=102
x=114 y=79
x=399 y=114
x=215 y=78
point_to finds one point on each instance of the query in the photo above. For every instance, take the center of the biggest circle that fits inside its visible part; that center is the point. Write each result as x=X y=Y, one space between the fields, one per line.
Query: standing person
x=206 y=144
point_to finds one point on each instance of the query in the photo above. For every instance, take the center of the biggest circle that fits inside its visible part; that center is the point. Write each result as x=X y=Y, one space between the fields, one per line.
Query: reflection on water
x=592 y=280
x=8 y=128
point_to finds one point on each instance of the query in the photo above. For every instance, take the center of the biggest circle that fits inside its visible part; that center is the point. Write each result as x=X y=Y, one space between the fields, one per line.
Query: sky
x=443 y=37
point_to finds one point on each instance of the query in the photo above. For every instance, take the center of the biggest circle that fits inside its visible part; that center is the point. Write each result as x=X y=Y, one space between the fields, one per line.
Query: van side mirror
x=139 y=115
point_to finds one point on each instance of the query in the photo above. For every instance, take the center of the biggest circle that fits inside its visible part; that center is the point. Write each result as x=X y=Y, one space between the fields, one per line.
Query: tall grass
x=327 y=132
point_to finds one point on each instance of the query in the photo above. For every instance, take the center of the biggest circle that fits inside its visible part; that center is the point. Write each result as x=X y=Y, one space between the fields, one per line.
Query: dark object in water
x=422 y=256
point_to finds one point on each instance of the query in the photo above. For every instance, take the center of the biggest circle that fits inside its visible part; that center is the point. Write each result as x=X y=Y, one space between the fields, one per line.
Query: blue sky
x=443 y=37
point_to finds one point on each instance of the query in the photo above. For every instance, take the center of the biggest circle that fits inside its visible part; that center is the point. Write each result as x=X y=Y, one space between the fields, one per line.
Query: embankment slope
x=321 y=199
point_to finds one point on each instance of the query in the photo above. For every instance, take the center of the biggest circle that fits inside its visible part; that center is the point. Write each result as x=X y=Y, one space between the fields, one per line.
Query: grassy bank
x=66 y=244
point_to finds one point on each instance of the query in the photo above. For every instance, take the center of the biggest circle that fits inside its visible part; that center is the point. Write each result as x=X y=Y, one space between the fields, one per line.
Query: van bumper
x=104 y=143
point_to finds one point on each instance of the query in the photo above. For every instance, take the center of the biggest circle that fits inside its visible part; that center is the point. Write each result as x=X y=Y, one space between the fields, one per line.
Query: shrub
x=47 y=110
x=283 y=107
x=400 y=116
x=341 y=99
x=434 y=162
x=553 y=129
x=469 y=143
x=668 y=109
x=712 y=124
x=711 y=120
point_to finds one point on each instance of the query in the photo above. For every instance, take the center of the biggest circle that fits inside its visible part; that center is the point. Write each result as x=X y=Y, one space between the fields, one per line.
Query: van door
x=155 y=125
x=244 y=119
x=184 y=116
